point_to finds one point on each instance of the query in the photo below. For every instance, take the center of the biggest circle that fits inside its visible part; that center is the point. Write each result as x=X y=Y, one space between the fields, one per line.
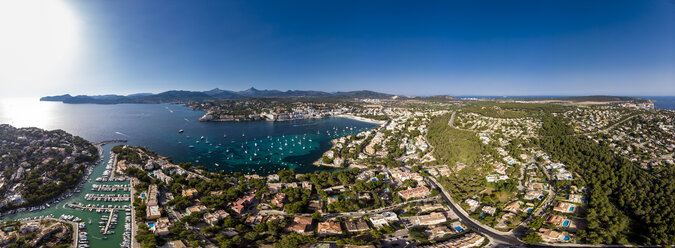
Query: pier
x=100 y=143
x=98 y=208
x=107 y=225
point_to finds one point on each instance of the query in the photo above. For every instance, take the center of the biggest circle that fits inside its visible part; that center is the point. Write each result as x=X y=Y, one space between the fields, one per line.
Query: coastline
x=89 y=168
x=359 y=118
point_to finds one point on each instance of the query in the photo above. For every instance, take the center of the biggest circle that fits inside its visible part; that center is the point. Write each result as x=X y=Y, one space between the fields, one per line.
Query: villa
x=214 y=218
x=382 y=219
x=575 y=198
x=189 y=192
x=414 y=193
x=565 y=207
x=513 y=207
x=558 y=220
x=439 y=232
x=552 y=236
x=329 y=228
x=279 y=200
x=473 y=204
x=300 y=224
x=194 y=209
x=359 y=225
x=275 y=187
x=430 y=207
x=161 y=226
x=496 y=177
x=489 y=210
x=532 y=194
x=429 y=219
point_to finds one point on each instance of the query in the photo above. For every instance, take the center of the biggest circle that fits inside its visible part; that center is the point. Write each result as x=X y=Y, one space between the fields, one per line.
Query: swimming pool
x=566 y=238
x=566 y=223
x=571 y=209
x=142 y=195
x=459 y=229
x=151 y=224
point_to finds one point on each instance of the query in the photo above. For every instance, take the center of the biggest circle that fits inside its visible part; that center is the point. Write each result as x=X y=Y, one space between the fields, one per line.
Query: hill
x=181 y=96
x=43 y=163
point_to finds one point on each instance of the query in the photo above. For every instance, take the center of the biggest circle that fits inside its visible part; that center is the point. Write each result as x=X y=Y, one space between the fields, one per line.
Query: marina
x=96 y=222
x=260 y=147
x=102 y=199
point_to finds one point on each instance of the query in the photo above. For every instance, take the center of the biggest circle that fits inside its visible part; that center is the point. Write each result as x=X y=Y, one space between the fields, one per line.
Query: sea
x=662 y=102
x=259 y=147
x=250 y=147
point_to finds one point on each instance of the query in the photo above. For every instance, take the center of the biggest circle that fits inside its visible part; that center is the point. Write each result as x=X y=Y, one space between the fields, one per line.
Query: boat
x=191 y=146
x=181 y=131
x=224 y=135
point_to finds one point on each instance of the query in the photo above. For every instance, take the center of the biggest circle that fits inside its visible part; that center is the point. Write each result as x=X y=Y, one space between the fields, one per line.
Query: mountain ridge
x=180 y=96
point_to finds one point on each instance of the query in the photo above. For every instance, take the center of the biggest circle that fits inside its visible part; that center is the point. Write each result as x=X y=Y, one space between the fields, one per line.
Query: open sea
x=662 y=102
x=251 y=147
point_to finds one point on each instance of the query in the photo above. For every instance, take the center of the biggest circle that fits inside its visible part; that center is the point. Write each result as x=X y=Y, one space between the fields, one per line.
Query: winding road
x=499 y=237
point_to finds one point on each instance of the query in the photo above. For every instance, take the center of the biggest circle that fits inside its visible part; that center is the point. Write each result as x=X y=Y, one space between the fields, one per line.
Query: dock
x=107 y=225
x=99 y=208
x=100 y=143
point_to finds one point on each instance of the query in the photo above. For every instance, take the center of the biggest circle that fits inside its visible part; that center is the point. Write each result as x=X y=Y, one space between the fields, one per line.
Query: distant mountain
x=181 y=96
x=55 y=98
x=365 y=94
x=140 y=94
x=217 y=91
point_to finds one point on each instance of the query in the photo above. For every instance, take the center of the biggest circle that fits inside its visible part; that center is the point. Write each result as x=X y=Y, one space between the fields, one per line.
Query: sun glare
x=38 y=41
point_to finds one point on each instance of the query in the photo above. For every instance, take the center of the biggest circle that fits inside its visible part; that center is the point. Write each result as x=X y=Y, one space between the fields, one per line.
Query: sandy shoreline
x=358 y=118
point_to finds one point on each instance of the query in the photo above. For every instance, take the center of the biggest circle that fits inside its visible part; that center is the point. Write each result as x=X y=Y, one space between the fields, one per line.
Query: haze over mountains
x=182 y=96
x=214 y=94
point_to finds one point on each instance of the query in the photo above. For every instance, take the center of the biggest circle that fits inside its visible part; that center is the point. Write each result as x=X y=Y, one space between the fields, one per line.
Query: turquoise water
x=253 y=147
x=566 y=223
x=94 y=231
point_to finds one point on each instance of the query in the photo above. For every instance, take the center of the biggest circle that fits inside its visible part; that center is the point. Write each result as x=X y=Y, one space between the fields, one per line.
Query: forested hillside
x=626 y=204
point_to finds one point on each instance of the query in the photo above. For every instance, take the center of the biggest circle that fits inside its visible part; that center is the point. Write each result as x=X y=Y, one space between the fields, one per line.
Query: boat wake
x=120 y=133
x=167 y=108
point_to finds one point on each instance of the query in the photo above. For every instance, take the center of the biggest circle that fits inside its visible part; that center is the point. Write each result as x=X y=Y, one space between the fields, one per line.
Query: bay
x=251 y=147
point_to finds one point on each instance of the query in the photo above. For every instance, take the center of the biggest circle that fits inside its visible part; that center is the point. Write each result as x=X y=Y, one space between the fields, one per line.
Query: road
x=134 y=227
x=451 y=122
x=604 y=130
x=377 y=211
x=499 y=237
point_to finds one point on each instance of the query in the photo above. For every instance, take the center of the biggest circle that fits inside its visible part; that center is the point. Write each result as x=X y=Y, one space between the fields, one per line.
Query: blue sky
x=402 y=47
